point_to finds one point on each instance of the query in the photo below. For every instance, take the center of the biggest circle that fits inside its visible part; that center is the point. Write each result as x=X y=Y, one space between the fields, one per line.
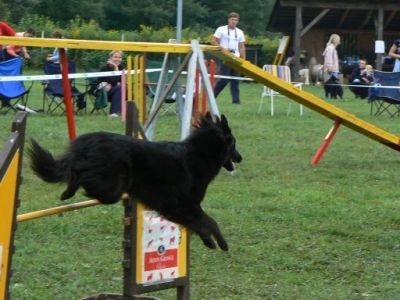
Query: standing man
x=231 y=38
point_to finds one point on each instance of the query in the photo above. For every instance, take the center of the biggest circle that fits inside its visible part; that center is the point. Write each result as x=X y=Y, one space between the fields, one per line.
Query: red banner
x=156 y=261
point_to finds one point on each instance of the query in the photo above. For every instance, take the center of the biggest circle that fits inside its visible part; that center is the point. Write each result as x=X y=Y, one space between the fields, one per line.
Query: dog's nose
x=237 y=157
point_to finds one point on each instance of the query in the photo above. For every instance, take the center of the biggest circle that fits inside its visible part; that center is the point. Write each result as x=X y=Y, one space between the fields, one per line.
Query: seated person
x=362 y=76
x=5 y=30
x=30 y=32
x=13 y=51
x=55 y=56
x=112 y=84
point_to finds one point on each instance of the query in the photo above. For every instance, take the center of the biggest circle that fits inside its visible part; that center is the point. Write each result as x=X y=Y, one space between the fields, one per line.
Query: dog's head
x=332 y=80
x=232 y=154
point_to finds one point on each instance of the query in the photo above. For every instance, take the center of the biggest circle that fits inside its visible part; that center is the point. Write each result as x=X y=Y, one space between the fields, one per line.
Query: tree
x=5 y=12
x=131 y=14
x=62 y=11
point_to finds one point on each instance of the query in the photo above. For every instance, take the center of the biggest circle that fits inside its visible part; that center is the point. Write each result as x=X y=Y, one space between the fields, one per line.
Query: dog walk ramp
x=311 y=101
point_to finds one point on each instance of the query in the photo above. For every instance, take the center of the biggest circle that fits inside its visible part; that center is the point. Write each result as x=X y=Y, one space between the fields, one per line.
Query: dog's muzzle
x=230 y=164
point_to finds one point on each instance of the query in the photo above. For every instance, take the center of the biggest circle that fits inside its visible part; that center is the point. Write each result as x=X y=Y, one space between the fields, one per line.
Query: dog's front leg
x=196 y=220
x=206 y=227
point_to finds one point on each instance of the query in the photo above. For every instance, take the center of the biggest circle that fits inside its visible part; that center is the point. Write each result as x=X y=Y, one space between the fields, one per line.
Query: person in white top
x=232 y=39
x=331 y=58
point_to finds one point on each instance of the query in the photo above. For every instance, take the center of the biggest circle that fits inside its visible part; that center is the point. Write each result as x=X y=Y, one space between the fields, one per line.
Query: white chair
x=282 y=72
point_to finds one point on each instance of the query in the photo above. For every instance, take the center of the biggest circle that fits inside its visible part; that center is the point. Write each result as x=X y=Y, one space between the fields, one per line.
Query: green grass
x=295 y=231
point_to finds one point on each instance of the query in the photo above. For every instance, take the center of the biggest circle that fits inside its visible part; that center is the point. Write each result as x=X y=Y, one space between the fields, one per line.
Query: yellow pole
x=56 y=210
x=103 y=45
x=135 y=80
x=142 y=108
x=129 y=78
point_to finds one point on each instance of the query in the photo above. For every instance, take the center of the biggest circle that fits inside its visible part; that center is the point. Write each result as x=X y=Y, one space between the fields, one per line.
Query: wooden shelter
x=359 y=23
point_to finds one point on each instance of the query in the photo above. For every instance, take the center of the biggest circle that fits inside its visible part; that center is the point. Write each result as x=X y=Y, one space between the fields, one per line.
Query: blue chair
x=13 y=94
x=53 y=90
x=385 y=100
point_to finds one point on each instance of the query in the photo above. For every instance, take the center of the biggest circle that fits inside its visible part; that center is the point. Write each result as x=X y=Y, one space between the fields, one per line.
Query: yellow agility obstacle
x=104 y=45
x=56 y=210
x=10 y=179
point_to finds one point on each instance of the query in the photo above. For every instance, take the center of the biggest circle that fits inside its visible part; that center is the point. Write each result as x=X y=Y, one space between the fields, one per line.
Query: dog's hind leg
x=108 y=191
x=72 y=187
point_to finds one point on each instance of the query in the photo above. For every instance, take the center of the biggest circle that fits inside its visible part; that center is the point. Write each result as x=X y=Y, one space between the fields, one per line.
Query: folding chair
x=385 y=100
x=53 y=90
x=282 y=72
x=13 y=94
x=97 y=95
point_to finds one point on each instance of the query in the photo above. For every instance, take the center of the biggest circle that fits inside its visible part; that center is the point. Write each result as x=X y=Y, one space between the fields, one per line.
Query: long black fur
x=169 y=177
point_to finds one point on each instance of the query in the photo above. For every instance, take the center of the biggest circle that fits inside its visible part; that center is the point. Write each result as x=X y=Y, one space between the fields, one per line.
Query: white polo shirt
x=230 y=38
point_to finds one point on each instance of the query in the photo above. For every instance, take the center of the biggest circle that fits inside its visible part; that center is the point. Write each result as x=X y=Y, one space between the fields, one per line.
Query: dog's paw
x=208 y=242
x=66 y=195
x=223 y=245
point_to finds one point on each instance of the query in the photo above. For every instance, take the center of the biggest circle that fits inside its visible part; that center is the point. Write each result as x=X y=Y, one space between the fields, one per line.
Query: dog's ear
x=208 y=116
x=206 y=119
x=224 y=122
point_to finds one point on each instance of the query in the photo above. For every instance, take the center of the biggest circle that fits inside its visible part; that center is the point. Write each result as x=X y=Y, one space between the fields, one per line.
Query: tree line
x=131 y=14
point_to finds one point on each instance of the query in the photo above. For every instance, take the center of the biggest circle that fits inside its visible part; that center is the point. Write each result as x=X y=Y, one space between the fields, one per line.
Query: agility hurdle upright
x=155 y=249
x=10 y=179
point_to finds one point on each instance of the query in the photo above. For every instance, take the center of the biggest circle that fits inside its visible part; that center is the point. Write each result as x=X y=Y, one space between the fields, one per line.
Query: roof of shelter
x=357 y=15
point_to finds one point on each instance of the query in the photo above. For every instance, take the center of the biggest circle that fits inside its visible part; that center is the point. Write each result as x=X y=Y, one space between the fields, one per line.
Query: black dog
x=332 y=88
x=169 y=177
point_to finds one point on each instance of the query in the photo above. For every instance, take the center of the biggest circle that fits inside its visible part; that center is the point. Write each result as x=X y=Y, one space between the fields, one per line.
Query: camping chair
x=385 y=99
x=53 y=90
x=13 y=94
x=97 y=95
x=282 y=72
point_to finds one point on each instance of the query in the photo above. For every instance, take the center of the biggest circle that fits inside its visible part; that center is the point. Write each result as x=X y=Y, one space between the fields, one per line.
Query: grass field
x=295 y=231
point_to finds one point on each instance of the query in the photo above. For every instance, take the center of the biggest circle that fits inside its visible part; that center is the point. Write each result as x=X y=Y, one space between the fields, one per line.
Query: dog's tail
x=45 y=165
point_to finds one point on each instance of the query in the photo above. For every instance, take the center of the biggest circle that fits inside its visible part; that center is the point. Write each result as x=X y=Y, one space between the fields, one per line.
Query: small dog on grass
x=332 y=88
x=169 y=177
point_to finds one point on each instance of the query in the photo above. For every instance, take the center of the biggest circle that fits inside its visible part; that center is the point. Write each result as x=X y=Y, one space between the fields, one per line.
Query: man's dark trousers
x=222 y=82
